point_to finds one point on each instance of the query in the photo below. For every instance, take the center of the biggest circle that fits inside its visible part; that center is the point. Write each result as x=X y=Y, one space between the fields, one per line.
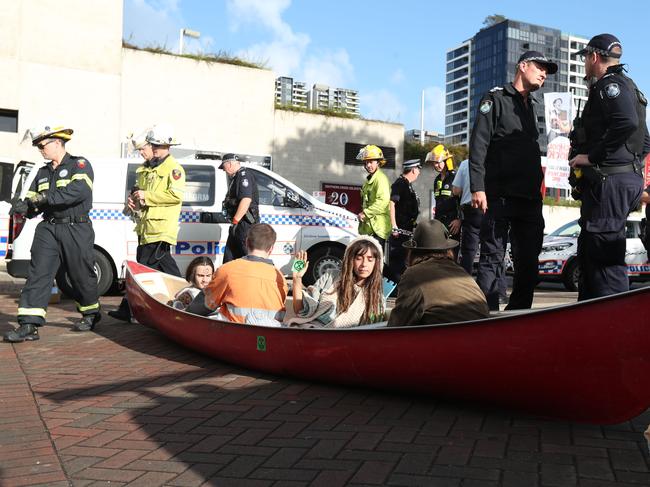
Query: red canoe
x=586 y=362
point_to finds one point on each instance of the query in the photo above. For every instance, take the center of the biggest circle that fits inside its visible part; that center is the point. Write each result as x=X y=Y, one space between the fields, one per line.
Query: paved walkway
x=125 y=406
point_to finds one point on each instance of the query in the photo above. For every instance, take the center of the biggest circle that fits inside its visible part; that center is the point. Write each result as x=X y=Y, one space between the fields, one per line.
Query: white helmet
x=161 y=134
x=137 y=142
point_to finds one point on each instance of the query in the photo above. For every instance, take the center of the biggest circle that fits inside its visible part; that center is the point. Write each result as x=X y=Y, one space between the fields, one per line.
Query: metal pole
x=422 y=120
x=180 y=42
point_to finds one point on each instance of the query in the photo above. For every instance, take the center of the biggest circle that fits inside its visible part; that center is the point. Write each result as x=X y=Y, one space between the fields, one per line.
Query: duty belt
x=617 y=168
x=68 y=219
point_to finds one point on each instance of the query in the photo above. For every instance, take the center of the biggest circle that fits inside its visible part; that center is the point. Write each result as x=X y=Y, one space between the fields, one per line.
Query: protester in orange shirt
x=250 y=289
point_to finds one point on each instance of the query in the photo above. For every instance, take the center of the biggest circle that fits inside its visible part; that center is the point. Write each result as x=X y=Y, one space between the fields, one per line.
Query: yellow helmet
x=440 y=154
x=49 y=132
x=371 y=153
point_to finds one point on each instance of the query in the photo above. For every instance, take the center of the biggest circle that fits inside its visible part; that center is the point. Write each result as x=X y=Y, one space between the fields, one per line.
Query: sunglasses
x=42 y=145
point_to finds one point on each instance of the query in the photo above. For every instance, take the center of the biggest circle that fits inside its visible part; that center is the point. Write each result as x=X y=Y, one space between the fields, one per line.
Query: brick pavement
x=125 y=406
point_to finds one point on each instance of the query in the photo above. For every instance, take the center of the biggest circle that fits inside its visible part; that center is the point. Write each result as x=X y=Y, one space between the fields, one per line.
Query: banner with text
x=558 y=111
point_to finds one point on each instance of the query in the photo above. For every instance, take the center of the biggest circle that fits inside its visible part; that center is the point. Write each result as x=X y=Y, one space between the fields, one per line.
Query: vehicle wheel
x=571 y=275
x=321 y=261
x=104 y=272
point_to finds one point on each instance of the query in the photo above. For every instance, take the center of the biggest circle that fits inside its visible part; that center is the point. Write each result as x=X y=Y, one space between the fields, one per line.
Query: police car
x=300 y=220
x=558 y=260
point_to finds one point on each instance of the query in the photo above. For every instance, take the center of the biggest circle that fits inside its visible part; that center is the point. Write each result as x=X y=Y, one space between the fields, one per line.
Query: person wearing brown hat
x=610 y=182
x=506 y=177
x=62 y=192
x=434 y=288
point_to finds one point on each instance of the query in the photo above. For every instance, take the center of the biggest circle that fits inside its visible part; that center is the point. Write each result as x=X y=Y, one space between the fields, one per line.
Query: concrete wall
x=61 y=63
x=213 y=106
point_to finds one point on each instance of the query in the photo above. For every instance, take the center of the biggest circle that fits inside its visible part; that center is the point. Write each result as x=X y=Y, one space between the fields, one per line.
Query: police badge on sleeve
x=485 y=107
x=612 y=90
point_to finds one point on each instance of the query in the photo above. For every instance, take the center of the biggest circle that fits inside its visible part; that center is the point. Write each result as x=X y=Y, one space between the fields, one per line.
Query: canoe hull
x=586 y=362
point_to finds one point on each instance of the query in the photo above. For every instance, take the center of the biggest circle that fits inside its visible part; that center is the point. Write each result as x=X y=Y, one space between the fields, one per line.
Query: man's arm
x=478 y=148
x=242 y=208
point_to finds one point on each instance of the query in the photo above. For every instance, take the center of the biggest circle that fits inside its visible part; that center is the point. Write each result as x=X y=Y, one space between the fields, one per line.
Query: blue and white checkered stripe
x=115 y=214
x=3 y=246
x=304 y=220
x=270 y=218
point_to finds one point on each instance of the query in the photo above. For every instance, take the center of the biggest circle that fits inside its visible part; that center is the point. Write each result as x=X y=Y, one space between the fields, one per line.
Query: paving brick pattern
x=125 y=406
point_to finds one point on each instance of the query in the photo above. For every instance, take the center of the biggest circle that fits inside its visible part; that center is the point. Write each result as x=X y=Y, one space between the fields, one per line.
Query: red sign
x=347 y=196
x=647 y=171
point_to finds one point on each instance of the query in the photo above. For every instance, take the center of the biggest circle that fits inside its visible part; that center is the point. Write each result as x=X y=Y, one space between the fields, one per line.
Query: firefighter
x=241 y=205
x=447 y=203
x=62 y=191
x=156 y=199
x=374 y=219
x=611 y=182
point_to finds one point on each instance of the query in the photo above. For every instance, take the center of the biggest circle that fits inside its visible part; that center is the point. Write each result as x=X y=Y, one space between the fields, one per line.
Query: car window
x=199 y=184
x=271 y=192
x=631 y=229
x=571 y=229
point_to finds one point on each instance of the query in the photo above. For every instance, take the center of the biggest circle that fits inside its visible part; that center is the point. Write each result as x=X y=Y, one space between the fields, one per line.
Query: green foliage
x=413 y=150
x=218 y=57
x=332 y=112
x=552 y=201
x=495 y=19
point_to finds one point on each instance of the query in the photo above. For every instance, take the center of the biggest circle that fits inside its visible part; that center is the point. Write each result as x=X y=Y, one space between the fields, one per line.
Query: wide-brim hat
x=430 y=235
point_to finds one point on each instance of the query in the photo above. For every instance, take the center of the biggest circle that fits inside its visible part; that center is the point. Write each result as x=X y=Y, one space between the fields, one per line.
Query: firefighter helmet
x=371 y=153
x=49 y=132
x=441 y=154
x=161 y=134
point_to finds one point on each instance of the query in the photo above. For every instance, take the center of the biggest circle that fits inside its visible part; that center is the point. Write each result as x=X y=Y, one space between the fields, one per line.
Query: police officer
x=156 y=199
x=614 y=122
x=241 y=205
x=447 y=203
x=62 y=191
x=404 y=211
x=506 y=178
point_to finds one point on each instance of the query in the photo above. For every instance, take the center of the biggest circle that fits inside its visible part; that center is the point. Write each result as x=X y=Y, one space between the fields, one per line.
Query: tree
x=495 y=19
x=413 y=150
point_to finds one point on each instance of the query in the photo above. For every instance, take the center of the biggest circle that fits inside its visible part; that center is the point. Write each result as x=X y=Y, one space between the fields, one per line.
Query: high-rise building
x=489 y=58
x=289 y=92
x=322 y=97
x=414 y=136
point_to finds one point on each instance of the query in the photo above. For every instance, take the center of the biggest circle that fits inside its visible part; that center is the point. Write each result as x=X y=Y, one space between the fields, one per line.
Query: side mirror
x=212 y=217
x=291 y=199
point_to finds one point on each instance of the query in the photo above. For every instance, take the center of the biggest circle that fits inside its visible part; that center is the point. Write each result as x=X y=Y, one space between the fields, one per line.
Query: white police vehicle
x=558 y=261
x=300 y=220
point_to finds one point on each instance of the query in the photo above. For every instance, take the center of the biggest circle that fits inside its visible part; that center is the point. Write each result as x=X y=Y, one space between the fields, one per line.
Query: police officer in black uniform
x=241 y=205
x=505 y=180
x=404 y=211
x=62 y=191
x=610 y=182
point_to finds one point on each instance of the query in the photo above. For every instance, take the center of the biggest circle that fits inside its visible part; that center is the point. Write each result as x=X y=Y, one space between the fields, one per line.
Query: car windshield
x=571 y=229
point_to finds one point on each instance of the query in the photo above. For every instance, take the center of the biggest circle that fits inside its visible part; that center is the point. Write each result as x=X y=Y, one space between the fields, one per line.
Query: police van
x=300 y=220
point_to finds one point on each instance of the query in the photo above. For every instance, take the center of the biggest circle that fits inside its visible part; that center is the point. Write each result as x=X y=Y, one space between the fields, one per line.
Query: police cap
x=538 y=57
x=605 y=45
x=411 y=163
x=228 y=158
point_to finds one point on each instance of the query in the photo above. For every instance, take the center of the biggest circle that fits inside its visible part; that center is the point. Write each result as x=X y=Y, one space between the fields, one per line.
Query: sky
x=390 y=51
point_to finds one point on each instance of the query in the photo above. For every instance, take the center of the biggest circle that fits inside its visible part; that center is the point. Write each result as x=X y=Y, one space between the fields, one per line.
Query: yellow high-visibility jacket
x=375 y=201
x=163 y=186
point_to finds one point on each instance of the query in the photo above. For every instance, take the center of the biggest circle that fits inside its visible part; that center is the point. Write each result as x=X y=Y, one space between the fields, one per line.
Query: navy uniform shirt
x=69 y=187
x=447 y=205
x=243 y=185
x=407 y=203
x=504 y=155
x=614 y=120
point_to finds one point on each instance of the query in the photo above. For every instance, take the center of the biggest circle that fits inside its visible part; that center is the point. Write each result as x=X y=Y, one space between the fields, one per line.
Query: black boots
x=122 y=313
x=87 y=323
x=23 y=333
